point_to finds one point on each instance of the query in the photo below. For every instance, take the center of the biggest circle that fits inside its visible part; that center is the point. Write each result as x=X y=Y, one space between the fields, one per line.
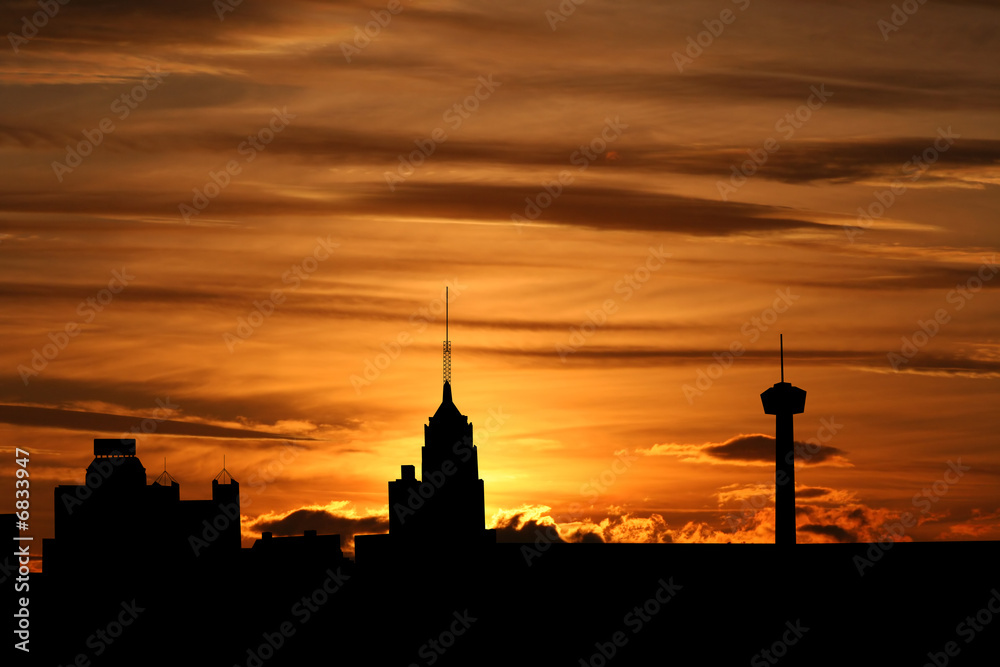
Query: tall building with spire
x=447 y=505
x=448 y=502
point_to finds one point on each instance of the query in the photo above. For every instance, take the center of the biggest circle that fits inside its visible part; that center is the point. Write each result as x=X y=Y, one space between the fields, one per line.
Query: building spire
x=224 y=477
x=165 y=478
x=447 y=342
x=781 y=343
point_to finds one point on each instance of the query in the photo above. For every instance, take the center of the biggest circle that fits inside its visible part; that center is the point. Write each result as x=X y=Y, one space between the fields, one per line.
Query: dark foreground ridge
x=566 y=604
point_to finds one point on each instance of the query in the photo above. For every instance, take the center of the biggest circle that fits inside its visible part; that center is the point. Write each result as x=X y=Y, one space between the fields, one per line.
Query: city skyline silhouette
x=161 y=551
x=238 y=242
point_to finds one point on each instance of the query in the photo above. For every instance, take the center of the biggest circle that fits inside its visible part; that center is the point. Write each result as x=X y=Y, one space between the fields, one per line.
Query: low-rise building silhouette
x=115 y=511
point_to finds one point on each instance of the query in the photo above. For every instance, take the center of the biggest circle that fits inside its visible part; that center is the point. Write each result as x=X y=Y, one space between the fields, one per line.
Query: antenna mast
x=781 y=342
x=447 y=342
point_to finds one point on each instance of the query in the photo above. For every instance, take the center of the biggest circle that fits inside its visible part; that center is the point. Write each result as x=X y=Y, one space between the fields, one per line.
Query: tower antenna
x=447 y=342
x=781 y=343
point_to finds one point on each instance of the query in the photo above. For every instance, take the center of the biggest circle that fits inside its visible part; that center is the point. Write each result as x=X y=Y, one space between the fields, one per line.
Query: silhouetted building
x=784 y=400
x=448 y=504
x=114 y=511
x=446 y=508
x=300 y=550
x=121 y=586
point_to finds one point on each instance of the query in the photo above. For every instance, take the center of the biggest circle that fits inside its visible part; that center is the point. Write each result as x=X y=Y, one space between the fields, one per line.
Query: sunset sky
x=217 y=217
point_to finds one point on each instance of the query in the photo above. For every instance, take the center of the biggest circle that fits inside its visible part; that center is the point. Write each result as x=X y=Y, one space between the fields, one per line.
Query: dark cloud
x=105 y=25
x=264 y=407
x=695 y=355
x=351 y=301
x=751 y=449
x=849 y=84
x=587 y=206
x=324 y=522
x=924 y=276
x=885 y=159
x=583 y=206
x=518 y=529
x=847 y=160
x=858 y=515
x=98 y=422
x=836 y=532
x=812 y=492
x=528 y=526
x=758 y=447
x=959 y=363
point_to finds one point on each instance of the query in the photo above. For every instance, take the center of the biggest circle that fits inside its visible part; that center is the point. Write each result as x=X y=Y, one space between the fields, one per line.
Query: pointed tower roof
x=783 y=397
x=447 y=407
x=224 y=477
x=165 y=478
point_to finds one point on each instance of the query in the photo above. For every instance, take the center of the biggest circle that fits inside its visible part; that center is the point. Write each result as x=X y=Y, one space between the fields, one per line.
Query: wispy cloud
x=753 y=449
